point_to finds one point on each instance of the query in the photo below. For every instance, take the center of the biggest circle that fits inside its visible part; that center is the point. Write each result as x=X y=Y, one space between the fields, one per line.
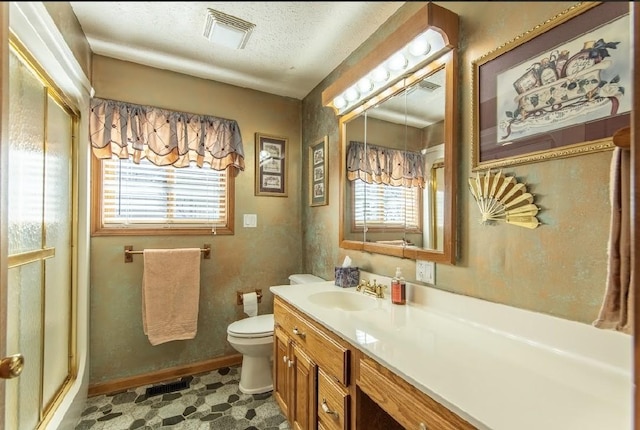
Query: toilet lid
x=260 y=325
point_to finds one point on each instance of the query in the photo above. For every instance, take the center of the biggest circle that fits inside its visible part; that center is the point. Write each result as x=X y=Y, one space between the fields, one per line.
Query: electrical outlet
x=426 y=271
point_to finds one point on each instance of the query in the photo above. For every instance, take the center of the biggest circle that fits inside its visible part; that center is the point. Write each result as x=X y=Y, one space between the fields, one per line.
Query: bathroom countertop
x=498 y=367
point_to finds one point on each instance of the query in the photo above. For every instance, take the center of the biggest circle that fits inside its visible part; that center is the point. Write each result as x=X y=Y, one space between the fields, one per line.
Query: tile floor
x=211 y=401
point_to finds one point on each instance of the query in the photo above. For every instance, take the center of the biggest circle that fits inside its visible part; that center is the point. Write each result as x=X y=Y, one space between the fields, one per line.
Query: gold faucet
x=375 y=289
x=362 y=285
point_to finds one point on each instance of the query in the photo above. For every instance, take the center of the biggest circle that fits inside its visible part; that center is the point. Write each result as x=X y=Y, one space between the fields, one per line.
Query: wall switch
x=250 y=220
x=426 y=271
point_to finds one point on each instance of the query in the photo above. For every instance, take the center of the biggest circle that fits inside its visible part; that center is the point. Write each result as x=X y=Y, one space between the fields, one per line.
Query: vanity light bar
x=407 y=59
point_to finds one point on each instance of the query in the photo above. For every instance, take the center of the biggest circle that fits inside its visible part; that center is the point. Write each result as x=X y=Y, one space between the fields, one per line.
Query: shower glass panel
x=39 y=238
x=25 y=235
x=57 y=226
x=24 y=318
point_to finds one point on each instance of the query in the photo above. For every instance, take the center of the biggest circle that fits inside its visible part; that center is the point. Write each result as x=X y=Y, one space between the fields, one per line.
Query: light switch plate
x=426 y=271
x=250 y=220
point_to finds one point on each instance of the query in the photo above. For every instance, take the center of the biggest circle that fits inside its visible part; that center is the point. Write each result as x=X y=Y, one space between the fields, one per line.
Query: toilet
x=253 y=338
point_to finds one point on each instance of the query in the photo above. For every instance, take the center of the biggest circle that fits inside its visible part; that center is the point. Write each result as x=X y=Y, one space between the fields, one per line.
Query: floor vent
x=167 y=388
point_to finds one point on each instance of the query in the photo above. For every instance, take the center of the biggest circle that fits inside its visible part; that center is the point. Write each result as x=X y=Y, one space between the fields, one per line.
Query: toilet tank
x=304 y=278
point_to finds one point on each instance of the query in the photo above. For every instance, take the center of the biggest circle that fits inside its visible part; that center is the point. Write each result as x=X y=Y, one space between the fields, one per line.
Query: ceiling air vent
x=227 y=30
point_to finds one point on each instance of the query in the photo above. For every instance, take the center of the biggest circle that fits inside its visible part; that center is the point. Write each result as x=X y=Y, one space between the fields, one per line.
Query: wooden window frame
x=98 y=229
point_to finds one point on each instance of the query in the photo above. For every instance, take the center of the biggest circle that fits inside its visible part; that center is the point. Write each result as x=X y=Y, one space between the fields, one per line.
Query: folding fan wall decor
x=503 y=198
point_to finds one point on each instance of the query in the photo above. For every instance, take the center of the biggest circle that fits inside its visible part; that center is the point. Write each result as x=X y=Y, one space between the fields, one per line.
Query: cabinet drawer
x=330 y=355
x=333 y=404
x=409 y=406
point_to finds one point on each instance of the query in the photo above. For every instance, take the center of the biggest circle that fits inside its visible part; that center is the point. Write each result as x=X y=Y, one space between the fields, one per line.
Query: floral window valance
x=163 y=136
x=379 y=165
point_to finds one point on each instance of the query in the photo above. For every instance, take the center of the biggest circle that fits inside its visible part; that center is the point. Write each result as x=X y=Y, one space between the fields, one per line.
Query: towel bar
x=128 y=252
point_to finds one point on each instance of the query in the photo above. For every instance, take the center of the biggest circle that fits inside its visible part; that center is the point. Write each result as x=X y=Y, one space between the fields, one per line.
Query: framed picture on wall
x=271 y=166
x=559 y=90
x=318 y=178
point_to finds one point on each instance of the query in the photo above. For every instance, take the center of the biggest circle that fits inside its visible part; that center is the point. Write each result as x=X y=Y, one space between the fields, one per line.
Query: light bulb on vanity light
x=339 y=102
x=420 y=46
x=351 y=94
x=380 y=74
x=365 y=85
x=397 y=62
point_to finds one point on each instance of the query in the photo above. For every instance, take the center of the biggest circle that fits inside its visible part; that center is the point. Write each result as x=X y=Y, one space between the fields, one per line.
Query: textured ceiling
x=294 y=45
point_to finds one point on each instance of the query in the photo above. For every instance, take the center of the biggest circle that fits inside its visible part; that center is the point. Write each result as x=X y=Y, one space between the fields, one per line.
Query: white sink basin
x=344 y=300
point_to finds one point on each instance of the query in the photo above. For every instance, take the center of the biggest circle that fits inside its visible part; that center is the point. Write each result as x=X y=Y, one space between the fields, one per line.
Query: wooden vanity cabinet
x=281 y=370
x=410 y=407
x=303 y=350
x=319 y=377
x=295 y=385
x=303 y=396
x=326 y=349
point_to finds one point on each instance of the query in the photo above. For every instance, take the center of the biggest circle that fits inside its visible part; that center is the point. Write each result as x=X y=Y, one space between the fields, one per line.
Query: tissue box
x=347 y=276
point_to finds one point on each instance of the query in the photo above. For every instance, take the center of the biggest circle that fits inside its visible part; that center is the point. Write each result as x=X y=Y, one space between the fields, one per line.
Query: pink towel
x=617 y=309
x=170 y=294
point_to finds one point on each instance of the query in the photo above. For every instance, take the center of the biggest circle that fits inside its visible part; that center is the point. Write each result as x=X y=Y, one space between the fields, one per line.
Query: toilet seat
x=252 y=327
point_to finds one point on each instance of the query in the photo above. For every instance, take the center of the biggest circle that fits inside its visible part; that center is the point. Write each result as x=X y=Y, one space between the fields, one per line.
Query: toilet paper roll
x=250 y=303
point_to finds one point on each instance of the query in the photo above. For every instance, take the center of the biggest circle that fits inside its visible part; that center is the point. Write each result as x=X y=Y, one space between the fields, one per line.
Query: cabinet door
x=282 y=370
x=303 y=400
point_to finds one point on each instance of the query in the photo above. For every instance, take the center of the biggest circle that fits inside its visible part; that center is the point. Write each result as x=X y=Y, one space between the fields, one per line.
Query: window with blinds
x=145 y=196
x=386 y=206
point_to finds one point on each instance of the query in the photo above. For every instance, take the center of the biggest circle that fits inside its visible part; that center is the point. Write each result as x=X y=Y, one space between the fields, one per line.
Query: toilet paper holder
x=239 y=295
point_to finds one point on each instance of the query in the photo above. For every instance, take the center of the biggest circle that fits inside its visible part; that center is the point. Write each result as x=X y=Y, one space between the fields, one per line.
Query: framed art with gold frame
x=559 y=90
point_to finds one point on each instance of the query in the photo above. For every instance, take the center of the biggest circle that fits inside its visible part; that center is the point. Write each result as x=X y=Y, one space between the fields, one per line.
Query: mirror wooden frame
x=446 y=23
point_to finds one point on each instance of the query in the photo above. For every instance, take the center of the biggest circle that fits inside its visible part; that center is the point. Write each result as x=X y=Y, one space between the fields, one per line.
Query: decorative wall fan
x=503 y=198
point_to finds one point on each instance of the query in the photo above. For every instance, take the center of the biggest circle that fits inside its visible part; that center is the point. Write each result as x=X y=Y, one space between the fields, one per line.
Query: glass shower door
x=39 y=239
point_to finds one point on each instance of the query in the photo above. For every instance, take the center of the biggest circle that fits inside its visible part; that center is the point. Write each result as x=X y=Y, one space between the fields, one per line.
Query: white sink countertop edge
x=475 y=365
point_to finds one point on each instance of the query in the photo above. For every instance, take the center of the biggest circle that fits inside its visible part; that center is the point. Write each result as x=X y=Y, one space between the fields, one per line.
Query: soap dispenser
x=398 y=289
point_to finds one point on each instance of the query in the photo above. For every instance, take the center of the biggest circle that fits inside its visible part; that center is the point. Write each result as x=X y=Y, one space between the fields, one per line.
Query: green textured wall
x=558 y=268
x=252 y=258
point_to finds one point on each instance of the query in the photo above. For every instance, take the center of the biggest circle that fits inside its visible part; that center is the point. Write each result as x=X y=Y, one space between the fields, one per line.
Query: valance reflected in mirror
x=398 y=145
x=394 y=168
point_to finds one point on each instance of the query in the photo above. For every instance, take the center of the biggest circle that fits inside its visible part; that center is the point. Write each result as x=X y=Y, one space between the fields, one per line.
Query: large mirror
x=398 y=176
x=397 y=109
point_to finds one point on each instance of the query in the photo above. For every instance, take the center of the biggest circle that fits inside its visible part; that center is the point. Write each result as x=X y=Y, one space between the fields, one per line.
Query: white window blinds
x=145 y=195
x=386 y=206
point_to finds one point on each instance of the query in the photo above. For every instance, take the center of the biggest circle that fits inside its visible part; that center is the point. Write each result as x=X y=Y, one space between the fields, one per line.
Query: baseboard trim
x=163 y=375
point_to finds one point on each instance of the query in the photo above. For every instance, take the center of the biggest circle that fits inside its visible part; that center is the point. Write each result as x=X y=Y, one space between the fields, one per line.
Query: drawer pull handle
x=423 y=426
x=326 y=409
x=298 y=332
x=285 y=359
x=290 y=363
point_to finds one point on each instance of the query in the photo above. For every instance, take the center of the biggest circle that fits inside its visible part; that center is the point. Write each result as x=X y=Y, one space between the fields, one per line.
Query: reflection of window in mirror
x=408 y=124
x=414 y=120
x=386 y=207
x=413 y=112
x=387 y=186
